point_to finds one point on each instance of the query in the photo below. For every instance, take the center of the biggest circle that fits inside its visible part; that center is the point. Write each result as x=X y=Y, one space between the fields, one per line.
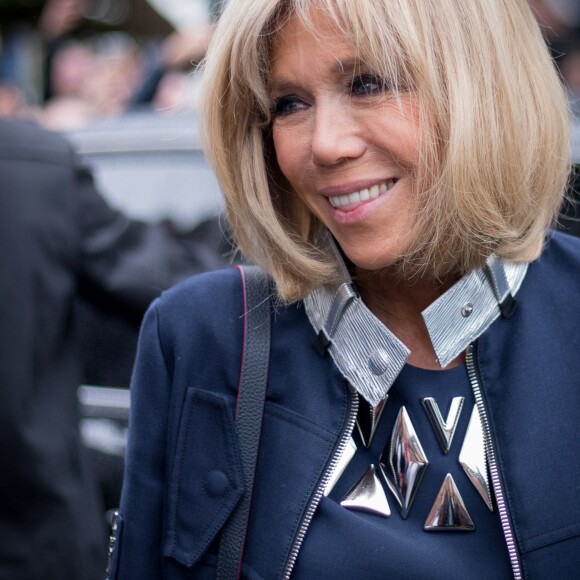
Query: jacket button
x=217 y=483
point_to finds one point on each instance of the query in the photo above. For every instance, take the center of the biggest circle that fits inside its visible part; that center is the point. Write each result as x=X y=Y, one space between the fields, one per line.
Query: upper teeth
x=362 y=195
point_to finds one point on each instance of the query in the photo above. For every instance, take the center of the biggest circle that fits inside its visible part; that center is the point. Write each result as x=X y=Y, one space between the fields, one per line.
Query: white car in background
x=151 y=166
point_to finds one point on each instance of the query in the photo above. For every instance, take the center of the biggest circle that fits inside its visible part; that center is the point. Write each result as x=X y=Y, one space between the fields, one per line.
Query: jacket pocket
x=560 y=559
x=206 y=477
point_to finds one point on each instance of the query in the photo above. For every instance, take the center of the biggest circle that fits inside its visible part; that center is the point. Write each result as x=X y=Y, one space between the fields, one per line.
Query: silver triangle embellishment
x=403 y=462
x=368 y=495
x=472 y=458
x=449 y=513
x=444 y=430
x=368 y=418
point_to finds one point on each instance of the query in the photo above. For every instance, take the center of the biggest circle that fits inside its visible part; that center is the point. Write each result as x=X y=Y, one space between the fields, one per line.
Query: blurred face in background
x=71 y=68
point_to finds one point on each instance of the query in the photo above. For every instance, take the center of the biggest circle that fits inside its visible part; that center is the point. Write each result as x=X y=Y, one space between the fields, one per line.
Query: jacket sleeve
x=183 y=475
x=137 y=552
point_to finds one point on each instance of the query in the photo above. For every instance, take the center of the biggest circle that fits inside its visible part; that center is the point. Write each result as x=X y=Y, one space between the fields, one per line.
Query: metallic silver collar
x=371 y=357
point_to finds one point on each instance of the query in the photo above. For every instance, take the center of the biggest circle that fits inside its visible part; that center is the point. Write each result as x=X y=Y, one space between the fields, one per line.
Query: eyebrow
x=348 y=65
x=279 y=85
x=342 y=67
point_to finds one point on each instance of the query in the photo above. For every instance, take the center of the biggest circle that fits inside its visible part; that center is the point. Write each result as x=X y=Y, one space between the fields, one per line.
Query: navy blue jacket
x=183 y=474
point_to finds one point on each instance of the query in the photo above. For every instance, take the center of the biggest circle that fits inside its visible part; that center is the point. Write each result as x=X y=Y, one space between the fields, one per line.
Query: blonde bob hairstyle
x=495 y=161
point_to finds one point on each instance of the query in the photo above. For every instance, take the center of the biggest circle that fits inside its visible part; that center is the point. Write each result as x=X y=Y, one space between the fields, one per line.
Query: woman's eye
x=287 y=105
x=366 y=84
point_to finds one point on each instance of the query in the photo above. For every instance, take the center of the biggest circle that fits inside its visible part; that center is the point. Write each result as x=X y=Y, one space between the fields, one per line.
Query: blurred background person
x=153 y=38
x=560 y=24
x=10 y=100
x=61 y=241
x=91 y=81
x=76 y=274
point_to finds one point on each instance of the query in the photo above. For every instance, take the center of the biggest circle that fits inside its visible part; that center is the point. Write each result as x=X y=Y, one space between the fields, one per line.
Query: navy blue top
x=400 y=548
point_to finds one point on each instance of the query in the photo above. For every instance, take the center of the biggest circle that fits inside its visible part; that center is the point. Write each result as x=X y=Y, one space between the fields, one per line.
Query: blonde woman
x=395 y=166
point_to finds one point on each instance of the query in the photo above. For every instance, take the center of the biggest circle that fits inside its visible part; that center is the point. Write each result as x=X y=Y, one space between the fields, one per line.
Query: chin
x=373 y=250
x=372 y=261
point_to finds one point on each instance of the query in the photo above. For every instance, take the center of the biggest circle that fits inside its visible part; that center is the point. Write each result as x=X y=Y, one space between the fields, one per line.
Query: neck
x=398 y=303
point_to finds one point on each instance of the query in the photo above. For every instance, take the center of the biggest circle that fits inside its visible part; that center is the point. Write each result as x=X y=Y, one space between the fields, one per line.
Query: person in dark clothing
x=60 y=241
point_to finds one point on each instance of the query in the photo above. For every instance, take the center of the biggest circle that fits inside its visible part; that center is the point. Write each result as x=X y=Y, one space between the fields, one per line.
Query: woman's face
x=344 y=141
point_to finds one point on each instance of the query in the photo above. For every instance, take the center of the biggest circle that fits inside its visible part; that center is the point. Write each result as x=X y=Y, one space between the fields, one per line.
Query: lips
x=357 y=197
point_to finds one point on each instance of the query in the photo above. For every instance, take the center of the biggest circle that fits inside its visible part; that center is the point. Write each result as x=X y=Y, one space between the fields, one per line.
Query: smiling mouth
x=356 y=197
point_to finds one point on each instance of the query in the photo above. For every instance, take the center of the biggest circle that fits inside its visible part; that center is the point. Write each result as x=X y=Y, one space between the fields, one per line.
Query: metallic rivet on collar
x=467 y=310
x=379 y=362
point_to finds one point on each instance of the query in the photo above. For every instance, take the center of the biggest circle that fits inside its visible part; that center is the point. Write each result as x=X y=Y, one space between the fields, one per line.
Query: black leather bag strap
x=249 y=413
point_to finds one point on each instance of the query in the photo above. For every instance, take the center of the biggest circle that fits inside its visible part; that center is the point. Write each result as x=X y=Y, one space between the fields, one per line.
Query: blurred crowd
x=67 y=62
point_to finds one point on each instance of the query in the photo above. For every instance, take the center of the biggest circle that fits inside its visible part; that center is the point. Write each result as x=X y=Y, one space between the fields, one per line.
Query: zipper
x=490 y=453
x=319 y=492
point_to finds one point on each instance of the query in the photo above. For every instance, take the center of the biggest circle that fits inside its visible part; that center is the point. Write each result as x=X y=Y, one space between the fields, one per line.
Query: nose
x=336 y=135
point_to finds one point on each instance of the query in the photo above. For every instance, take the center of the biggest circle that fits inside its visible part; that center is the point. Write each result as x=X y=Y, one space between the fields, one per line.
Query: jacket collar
x=371 y=357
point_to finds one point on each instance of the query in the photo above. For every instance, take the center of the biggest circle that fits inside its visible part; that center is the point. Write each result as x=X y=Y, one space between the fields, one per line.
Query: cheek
x=398 y=130
x=289 y=154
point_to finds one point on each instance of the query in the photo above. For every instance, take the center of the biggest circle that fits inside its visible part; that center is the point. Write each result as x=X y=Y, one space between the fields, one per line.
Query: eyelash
x=363 y=80
x=286 y=105
x=358 y=86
